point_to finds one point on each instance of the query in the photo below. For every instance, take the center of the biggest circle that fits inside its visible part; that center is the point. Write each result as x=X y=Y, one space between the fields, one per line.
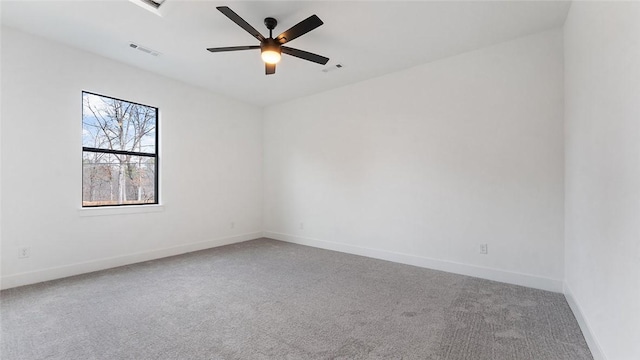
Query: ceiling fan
x=272 y=48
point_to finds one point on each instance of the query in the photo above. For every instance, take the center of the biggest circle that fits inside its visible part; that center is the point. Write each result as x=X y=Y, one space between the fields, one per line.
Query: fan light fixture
x=271 y=51
x=271 y=56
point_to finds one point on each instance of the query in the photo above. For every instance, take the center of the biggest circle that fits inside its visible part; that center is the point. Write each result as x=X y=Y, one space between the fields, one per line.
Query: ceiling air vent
x=144 y=49
x=332 y=68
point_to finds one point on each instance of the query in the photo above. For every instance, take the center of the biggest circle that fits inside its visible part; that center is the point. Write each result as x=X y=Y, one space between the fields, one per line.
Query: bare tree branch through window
x=119 y=152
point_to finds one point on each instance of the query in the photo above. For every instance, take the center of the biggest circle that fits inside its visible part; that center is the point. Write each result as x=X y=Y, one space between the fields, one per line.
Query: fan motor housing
x=270 y=44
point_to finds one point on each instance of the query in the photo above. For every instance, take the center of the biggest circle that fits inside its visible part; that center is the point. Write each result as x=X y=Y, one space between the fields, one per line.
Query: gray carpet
x=266 y=299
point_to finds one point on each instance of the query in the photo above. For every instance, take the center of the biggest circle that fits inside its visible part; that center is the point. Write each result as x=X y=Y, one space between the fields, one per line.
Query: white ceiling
x=370 y=38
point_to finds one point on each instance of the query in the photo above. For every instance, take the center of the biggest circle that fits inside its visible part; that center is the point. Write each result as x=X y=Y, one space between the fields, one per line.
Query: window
x=119 y=152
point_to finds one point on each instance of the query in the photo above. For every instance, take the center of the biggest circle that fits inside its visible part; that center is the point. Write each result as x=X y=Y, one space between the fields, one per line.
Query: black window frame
x=156 y=155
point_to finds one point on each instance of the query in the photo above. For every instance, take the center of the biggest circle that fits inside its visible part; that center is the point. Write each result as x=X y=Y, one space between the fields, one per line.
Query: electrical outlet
x=484 y=249
x=233 y=224
x=301 y=226
x=24 y=252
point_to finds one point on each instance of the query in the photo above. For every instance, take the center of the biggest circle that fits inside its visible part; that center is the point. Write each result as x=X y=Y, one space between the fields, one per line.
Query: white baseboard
x=53 y=273
x=594 y=346
x=442 y=265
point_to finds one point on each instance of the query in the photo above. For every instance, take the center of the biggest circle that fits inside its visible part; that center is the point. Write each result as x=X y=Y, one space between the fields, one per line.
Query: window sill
x=120 y=210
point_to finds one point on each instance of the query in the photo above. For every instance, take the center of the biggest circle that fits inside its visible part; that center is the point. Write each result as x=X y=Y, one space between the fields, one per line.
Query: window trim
x=156 y=155
x=110 y=210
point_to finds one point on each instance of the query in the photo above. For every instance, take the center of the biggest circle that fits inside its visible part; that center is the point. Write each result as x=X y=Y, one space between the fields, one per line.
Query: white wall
x=210 y=161
x=423 y=165
x=602 y=90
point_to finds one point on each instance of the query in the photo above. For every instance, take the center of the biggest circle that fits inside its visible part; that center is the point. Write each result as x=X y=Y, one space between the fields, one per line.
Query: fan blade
x=300 y=29
x=240 y=21
x=234 y=48
x=305 y=55
x=269 y=69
